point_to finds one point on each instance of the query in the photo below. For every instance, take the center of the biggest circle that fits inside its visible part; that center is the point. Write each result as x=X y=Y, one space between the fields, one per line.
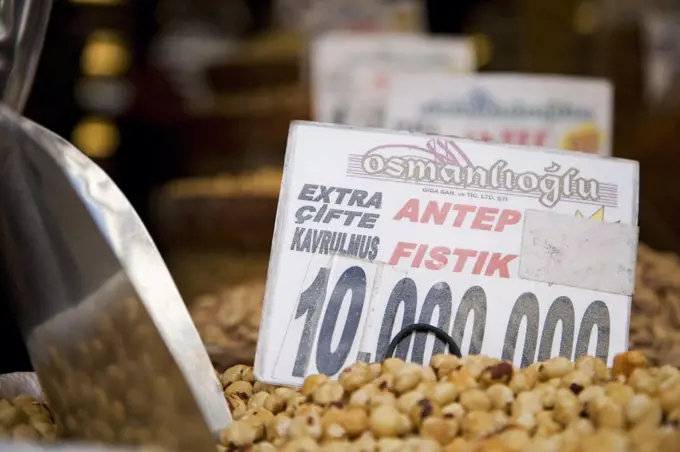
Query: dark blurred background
x=186 y=103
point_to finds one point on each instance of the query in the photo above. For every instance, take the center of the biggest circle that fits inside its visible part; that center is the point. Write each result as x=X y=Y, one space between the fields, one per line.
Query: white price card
x=567 y=113
x=369 y=87
x=335 y=56
x=378 y=230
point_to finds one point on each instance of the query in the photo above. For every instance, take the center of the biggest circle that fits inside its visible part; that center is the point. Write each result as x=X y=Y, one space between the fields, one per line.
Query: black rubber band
x=419 y=327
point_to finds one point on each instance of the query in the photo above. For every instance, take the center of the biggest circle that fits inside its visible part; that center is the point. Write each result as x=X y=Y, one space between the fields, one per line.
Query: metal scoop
x=109 y=336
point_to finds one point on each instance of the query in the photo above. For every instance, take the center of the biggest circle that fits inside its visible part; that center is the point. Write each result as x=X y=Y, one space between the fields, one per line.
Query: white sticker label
x=335 y=57
x=378 y=230
x=557 y=112
x=578 y=252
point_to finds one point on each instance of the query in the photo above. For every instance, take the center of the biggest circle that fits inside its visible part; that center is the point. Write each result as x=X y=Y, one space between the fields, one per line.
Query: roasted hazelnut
x=306 y=425
x=554 y=368
x=237 y=373
x=444 y=364
x=498 y=373
x=475 y=400
x=392 y=365
x=274 y=403
x=240 y=433
x=356 y=376
x=441 y=430
x=422 y=410
x=312 y=383
x=242 y=389
x=257 y=400
x=626 y=363
x=328 y=393
x=386 y=421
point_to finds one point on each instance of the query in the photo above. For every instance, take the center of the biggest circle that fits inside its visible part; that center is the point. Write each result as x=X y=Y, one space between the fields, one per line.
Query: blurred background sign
x=320 y=16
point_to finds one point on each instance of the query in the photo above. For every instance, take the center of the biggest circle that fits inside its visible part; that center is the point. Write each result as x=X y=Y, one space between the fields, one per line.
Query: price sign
x=523 y=254
x=369 y=85
x=335 y=57
x=556 y=112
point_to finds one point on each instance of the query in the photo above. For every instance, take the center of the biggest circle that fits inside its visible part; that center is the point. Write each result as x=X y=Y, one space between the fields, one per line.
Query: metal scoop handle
x=23 y=24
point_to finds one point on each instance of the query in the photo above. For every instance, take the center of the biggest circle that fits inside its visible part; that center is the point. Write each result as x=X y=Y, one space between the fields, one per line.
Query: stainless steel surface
x=22 y=31
x=20 y=383
x=115 y=349
x=111 y=340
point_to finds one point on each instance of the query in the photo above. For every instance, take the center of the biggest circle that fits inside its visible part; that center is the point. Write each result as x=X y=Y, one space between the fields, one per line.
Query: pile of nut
x=229 y=322
x=655 y=317
x=24 y=418
x=109 y=378
x=473 y=404
x=470 y=404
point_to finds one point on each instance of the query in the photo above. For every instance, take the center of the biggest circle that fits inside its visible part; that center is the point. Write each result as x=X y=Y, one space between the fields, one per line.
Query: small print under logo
x=442 y=162
x=480 y=103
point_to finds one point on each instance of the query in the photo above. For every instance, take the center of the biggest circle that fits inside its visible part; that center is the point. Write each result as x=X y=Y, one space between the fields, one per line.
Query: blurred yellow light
x=96 y=137
x=483 y=49
x=105 y=55
x=586 y=18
